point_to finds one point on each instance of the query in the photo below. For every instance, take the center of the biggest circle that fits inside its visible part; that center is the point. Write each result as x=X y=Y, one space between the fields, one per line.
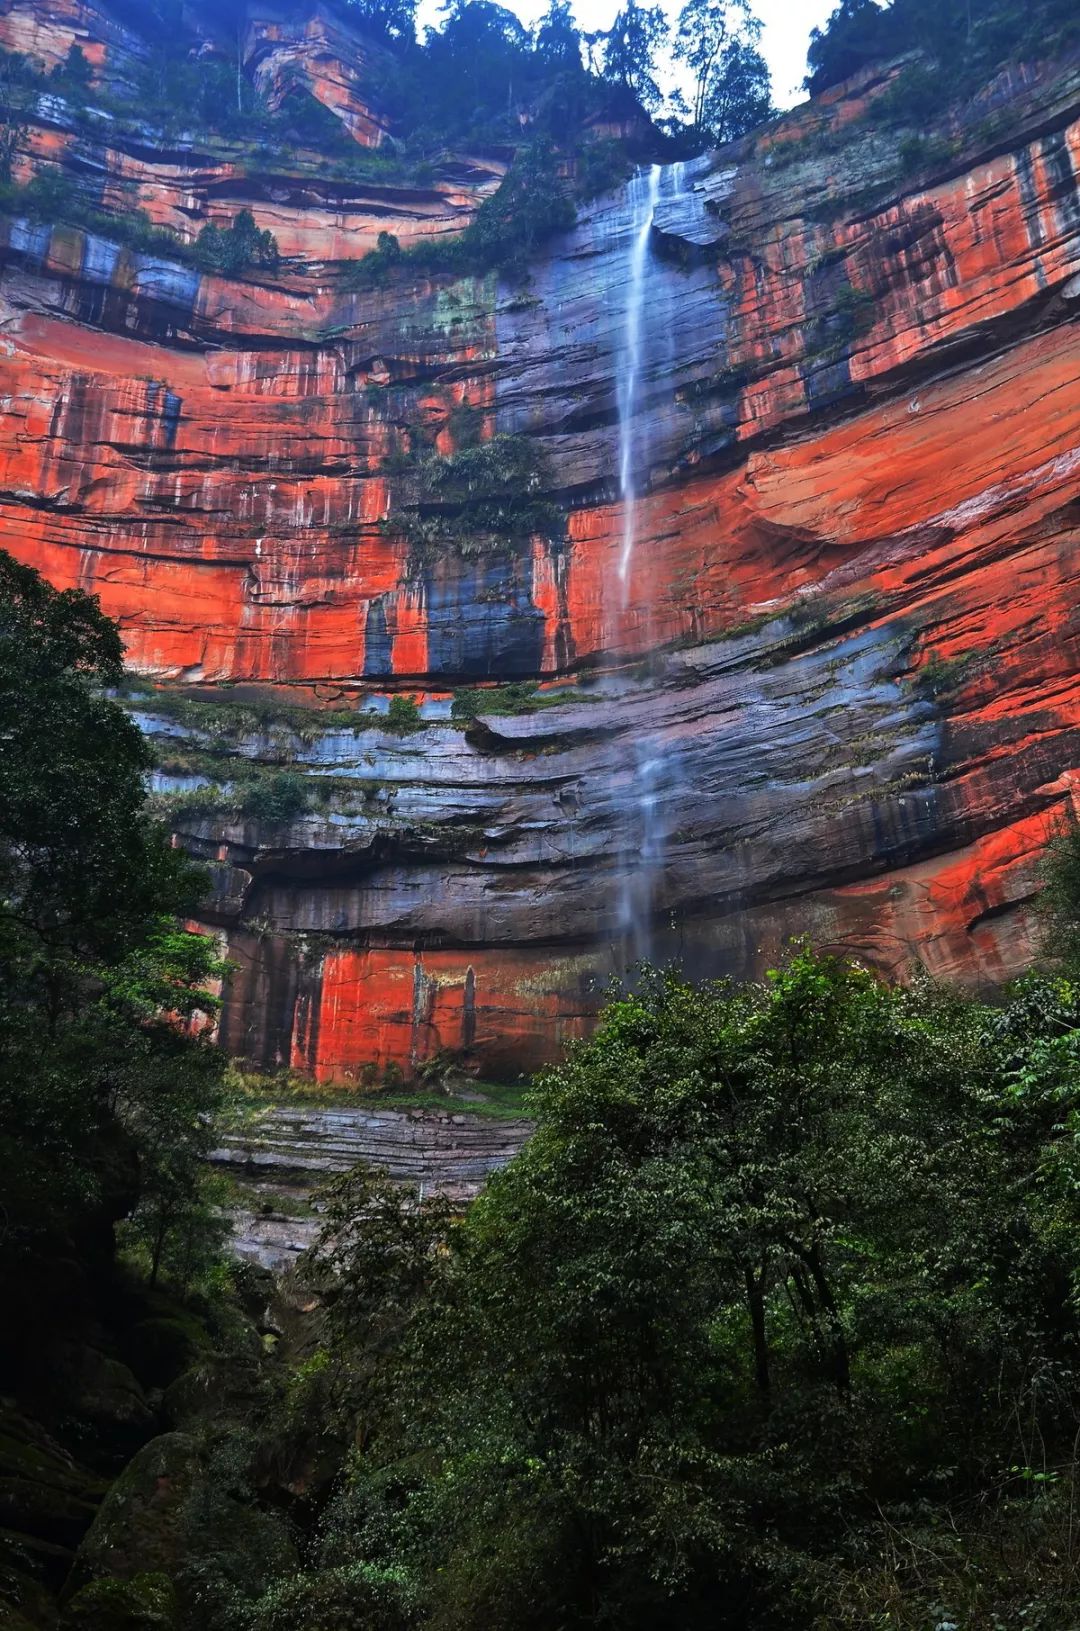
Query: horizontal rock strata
x=846 y=655
x=280 y=1159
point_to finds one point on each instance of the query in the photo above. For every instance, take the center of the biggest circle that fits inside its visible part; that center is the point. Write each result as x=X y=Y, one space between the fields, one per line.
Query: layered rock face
x=281 y=1158
x=835 y=691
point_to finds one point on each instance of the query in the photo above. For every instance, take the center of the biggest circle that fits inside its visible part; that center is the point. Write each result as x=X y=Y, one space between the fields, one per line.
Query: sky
x=784 y=41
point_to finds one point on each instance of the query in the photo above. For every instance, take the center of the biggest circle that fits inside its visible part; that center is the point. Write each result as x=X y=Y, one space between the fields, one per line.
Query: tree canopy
x=718 y=41
x=783 y=1284
x=967 y=38
x=772 y=1323
x=97 y=1082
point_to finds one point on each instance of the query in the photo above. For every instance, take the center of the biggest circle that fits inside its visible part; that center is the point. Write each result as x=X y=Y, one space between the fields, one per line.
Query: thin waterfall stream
x=644 y=191
x=643 y=360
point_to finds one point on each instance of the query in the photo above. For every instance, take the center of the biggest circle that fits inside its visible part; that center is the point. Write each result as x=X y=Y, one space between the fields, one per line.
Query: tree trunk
x=755 y=1297
x=841 y=1364
x=159 y=1245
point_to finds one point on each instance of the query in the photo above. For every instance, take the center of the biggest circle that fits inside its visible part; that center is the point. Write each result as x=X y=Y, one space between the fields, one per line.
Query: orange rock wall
x=283 y=50
x=46 y=32
x=857 y=555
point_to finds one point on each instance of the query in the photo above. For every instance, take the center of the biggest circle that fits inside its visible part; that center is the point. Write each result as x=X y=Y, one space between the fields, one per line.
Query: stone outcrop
x=847 y=648
x=281 y=1158
x=282 y=49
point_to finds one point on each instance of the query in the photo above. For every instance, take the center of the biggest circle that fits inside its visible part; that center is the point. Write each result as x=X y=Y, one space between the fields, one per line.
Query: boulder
x=135 y=1531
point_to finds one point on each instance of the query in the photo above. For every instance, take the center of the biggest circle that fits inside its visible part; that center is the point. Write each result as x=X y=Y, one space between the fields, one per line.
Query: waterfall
x=644 y=190
x=644 y=359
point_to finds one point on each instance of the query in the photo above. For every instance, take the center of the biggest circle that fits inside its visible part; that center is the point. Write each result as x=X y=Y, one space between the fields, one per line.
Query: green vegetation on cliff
x=481 y=500
x=531 y=204
x=569 y=110
x=965 y=42
x=105 y=1102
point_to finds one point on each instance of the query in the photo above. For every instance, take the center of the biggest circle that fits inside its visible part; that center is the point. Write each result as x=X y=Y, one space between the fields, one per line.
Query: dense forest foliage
x=966 y=41
x=480 y=75
x=773 y=1324
x=481 y=78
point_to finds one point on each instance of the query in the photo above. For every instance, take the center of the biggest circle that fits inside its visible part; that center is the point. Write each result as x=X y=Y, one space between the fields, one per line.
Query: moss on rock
x=44 y=1493
x=161 y=1348
x=146 y=1602
x=135 y=1530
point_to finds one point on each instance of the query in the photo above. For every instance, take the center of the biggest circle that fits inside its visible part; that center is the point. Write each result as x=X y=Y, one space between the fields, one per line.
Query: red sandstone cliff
x=855 y=571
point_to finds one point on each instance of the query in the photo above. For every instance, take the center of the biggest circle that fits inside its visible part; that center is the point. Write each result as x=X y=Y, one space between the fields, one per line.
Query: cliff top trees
x=630 y=48
x=968 y=39
x=558 y=40
x=393 y=20
x=739 y=95
x=717 y=39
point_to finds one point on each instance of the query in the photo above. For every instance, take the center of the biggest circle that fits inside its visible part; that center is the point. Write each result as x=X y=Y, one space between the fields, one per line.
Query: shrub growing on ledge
x=519 y=697
x=403 y=716
x=279 y=798
x=50 y=196
x=231 y=250
x=531 y=206
x=72 y=77
x=940 y=676
x=481 y=500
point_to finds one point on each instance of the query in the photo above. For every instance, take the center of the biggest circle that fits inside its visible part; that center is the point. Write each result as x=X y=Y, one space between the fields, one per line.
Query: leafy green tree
x=558 y=39
x=856 y=33
x=630 y=48
x=19 y=88
x=776 y=1258
x=391 y=20
x=204 y=92
x=532 y=203
x=233 y=249
x=740 y=92
x=103 y=1101
x=474 y=72
x=85 y=875
x=717 y=39
x=1059 y=899
x=74 y=76
x=966 y=41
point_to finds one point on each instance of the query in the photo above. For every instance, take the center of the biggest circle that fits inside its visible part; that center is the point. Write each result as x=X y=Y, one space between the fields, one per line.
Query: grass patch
x=942 y=676
x=251 y=1094
x=518 y=697
x=229 y=722
x=493 y=1101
